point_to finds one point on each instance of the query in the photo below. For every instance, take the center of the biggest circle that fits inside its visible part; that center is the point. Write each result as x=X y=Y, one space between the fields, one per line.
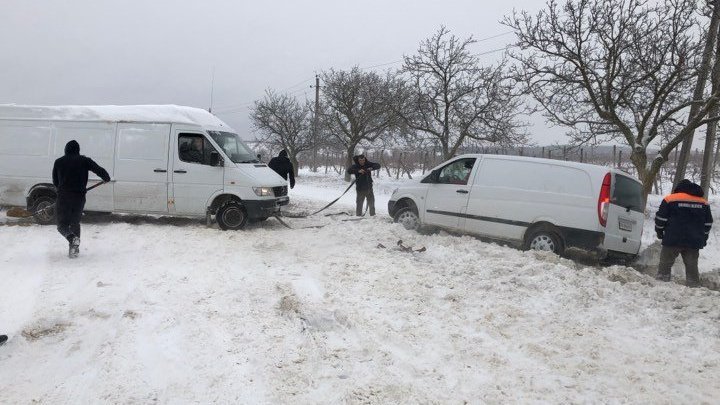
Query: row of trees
x=641 y=73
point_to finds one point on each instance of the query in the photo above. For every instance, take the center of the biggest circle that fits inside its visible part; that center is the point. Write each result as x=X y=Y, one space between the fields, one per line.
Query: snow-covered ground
x=167 y=310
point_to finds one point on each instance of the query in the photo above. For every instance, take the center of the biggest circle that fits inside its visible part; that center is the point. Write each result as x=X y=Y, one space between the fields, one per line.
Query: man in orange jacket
x=683 y=223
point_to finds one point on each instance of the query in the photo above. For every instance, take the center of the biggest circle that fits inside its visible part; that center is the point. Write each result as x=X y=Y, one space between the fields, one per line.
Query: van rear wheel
x=231 y=216
x=544 y=239
x=44 y=203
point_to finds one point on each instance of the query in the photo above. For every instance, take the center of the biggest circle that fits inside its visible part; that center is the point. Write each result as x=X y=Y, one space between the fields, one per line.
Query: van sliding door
x=141 y=167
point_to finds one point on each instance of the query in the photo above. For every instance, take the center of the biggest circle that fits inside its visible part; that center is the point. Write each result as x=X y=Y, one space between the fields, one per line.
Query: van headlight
x=263 y=191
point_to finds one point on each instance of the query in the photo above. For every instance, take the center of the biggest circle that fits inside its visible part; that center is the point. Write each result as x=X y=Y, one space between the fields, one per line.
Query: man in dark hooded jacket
x=282 y=166
x=363 y=183
x=70 y=176
x=683 y=223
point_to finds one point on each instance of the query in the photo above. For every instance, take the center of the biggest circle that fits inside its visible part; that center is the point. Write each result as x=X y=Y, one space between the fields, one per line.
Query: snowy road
x=174 y=312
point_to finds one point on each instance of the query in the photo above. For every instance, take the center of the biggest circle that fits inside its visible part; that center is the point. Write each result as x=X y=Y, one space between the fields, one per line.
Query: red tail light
x=604 y=200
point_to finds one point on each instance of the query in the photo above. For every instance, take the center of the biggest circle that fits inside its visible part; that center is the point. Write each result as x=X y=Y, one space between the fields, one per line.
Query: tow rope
x=316 y=212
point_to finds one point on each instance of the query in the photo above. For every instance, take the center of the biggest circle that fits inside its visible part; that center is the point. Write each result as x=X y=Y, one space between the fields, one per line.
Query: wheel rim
x=543 y=242
x=233 y=217
x=409 y=220
x=46 y=214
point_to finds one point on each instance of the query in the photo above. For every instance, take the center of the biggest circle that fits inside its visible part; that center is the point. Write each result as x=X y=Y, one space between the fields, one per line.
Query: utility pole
x=212 y=89
x=316 y=122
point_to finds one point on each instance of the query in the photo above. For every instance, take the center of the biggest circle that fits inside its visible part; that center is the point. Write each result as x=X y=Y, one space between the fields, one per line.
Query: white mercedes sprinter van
x=165 y=160
x=535 y=203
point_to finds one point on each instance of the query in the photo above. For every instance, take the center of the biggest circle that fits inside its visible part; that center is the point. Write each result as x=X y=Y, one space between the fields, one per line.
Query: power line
x=244 y=106
x=494 y=36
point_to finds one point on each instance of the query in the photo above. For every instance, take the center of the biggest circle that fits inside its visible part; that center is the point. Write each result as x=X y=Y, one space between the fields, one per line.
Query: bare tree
x=614 y=69
x=450 y=97
x=355 y=109
x=283 y=122
x=711 y=133
x=707 y=60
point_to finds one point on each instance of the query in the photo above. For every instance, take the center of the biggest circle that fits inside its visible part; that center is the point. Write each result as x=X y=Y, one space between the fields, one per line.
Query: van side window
x=194 y=148
x=457 y=172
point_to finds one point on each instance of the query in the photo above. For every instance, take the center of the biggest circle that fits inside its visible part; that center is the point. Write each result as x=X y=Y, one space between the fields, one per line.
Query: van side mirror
x=215 y=159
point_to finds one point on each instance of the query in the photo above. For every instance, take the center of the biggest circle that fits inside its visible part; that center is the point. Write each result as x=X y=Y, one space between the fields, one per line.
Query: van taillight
x=604 y=200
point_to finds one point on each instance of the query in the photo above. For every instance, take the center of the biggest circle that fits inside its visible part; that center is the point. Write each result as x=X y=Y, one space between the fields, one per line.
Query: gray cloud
x=162 y=52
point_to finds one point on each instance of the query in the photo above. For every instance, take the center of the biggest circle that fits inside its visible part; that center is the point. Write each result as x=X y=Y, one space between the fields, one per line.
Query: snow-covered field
x=169 y=311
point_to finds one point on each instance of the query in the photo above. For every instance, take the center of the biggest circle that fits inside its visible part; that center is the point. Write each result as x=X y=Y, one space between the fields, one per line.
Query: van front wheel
x=544 y=239
x=408 y=218
x=231 y=216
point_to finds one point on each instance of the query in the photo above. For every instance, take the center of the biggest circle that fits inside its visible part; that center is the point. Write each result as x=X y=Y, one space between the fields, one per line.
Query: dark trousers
x=668 y=254
x=68 y=210
x=361 y=196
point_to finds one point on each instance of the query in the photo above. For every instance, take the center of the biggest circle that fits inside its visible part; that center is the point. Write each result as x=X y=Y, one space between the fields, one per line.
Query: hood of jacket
x=72 y=148
x=357 y=157
x=688 y=187
x=283 y=153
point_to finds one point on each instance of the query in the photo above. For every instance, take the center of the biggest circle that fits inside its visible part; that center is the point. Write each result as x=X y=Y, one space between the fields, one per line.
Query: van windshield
x=234 y=147
x=627 y=193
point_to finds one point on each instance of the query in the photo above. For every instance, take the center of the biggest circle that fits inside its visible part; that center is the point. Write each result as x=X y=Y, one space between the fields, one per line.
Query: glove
x=660 y=234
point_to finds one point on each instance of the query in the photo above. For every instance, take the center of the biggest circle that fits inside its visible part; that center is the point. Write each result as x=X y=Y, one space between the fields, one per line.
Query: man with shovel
x=70 y=176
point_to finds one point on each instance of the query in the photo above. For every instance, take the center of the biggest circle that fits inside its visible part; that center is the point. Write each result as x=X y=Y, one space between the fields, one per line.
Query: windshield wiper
x=249 y=161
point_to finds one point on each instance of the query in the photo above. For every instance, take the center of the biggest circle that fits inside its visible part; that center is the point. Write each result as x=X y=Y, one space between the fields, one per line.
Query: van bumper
x=264 y=208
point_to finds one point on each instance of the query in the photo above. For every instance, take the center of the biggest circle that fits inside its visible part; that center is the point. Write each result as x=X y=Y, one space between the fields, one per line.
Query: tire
x=545 y=239
x=231 y=216
x=42 y=202
x=408 y=218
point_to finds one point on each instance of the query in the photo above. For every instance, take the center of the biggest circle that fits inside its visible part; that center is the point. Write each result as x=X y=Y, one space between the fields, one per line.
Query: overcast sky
x=164 y=52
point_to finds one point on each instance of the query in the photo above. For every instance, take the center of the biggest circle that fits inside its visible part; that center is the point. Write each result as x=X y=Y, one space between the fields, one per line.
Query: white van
x=166 y=160
x=535 y=203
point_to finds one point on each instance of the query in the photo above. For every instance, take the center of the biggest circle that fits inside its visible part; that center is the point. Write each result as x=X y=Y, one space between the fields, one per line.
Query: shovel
x=17 y=212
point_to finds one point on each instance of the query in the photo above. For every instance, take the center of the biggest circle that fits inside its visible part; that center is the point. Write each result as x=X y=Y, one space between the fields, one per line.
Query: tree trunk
x=645 y=175
x=708 y=161
x=349 y=161
x=296 y=165
x=445 y=151
x=703 y=72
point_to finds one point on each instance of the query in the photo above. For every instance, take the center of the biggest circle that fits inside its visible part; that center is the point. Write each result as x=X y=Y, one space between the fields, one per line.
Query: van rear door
x=625 y=216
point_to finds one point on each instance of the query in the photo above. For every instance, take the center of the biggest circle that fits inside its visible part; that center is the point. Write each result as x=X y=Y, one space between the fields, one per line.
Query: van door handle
x=160 y=171
x=462 y=191
x=180 y=171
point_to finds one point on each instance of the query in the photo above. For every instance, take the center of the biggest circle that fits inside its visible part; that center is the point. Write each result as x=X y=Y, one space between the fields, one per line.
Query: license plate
x=283 y=200
x=625 y=224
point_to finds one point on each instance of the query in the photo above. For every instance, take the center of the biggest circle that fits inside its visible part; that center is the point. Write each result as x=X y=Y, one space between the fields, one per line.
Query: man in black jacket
x=282 y=166
x=363 y=183
x=70 y=176
x=683 y=223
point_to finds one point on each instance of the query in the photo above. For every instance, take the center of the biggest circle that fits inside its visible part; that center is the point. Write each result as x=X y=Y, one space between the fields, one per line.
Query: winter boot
x=663 y=277
x=74 y=249
x=692 y=283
